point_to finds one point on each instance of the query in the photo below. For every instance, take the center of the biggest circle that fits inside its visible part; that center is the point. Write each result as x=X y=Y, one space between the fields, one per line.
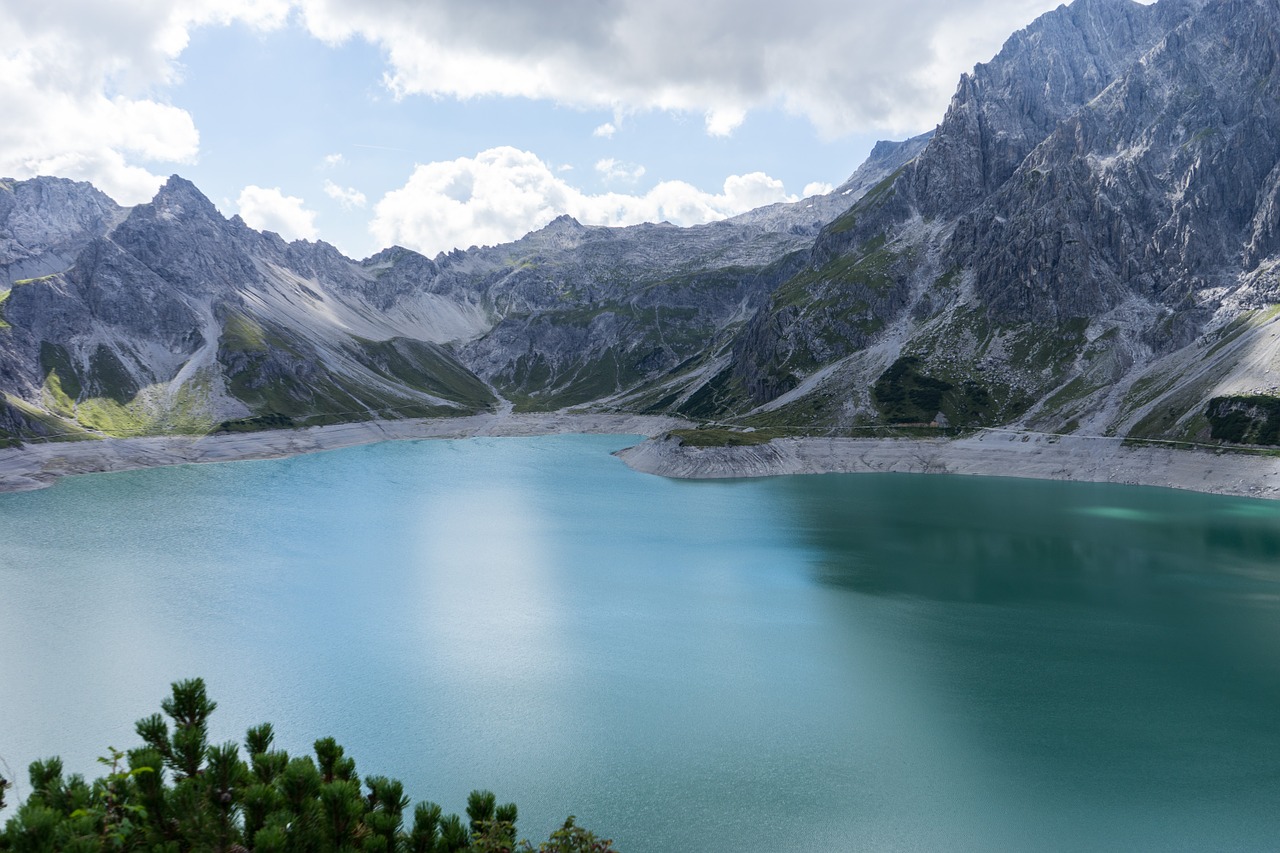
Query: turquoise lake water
x=869 y=662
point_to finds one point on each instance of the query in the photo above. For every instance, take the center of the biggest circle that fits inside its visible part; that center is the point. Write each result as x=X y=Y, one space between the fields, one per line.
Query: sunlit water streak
x=837 y=662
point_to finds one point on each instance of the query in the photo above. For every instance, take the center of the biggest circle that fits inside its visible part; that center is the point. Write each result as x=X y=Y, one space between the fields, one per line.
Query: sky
x=436 y=124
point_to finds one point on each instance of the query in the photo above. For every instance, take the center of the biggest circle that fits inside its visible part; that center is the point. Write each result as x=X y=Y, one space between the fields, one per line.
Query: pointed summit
x=563 y=231
x=564 y=222
x=178 y=198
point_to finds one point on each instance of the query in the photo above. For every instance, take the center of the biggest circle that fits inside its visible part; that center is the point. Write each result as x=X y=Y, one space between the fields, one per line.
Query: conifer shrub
x=178 y=793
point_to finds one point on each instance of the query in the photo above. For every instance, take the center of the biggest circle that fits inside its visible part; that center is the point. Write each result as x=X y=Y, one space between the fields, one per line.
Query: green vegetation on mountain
x=259 y=422
x=178 y=793
x=905 y=394
x=713 y=437
x=1246 y=419
x=279 y=374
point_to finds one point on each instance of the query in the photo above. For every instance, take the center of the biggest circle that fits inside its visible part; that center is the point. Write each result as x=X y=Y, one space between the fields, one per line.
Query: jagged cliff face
x=1042 y=76
x=1159 y=187
x=1094 y=215
x=1088 y=241
x=44 y=224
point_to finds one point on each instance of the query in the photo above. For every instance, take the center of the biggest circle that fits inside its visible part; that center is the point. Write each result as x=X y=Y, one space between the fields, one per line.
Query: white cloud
x=846 y=66
x=333 y=160
x=503 y=193
x=84 y=80
x=723 y=121
x=613 y=170
x=349 y=197
x=79 y=80
x=816 y=188
x=269 y=209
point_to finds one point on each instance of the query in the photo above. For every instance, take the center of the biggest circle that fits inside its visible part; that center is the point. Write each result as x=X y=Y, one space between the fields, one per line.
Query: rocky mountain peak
x=560 y=233
x=44 y=221
x=179 y=199
x=1158 y=188
x=564 y=222
x=1042 y=75
x=180 y=236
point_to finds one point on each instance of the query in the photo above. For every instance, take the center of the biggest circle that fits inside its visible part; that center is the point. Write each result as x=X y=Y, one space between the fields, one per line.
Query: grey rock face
x=1041 y=77
x=44 y=222
x=1159 y=188
x=589 y=313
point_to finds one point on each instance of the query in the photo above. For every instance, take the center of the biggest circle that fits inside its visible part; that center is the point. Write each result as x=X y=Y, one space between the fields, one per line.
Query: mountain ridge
x=1088 y=242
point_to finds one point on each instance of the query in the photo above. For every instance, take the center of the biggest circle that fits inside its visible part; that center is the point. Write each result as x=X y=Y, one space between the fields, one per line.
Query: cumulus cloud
x=846 y=66
x=78 y=98
x=85 y=81
x=816 y=188
x=269 y=209
x=333 y=160
x=723 y=121
x=613 y=170
x=348 y=197
x=503 y=193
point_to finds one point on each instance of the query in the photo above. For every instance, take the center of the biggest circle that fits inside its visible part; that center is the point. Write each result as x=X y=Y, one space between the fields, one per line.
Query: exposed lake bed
x=828 y=662
x=995 y=452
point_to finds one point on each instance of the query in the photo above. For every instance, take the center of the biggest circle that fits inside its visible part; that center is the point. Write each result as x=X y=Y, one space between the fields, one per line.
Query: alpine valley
x=1088 y=243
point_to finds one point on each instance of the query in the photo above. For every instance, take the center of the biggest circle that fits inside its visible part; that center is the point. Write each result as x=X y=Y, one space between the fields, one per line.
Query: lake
x=838 y=662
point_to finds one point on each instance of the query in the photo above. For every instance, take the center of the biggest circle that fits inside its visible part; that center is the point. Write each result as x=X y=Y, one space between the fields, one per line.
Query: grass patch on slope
x=257 y=424
x=58 y=429
x=868 y=268
x=905 y=394
x=716 y=437
x=243 y=334
x=61 y=385
x=108 y=399
x=608 y=374
x=425 y=367
x=875 y=196
x=152 y=411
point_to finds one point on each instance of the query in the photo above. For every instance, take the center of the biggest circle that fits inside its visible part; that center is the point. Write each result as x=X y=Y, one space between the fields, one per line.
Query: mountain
x=1088 y=242
x=169 y=317
x=173 y=318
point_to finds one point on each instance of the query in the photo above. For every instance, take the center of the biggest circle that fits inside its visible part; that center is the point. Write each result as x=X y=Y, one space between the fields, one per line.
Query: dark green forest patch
x=1245 y=419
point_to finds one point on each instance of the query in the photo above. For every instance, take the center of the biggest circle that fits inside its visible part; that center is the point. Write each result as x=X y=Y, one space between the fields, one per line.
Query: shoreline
x=993 y=454
x=40 y=465
x=996 y=453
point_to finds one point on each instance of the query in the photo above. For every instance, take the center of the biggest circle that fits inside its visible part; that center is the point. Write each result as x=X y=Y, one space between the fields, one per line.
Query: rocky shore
x=37 y=465
x=991 y=453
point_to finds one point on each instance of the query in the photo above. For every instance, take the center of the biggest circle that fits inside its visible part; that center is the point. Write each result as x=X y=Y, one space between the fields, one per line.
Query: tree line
x=177 y=793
